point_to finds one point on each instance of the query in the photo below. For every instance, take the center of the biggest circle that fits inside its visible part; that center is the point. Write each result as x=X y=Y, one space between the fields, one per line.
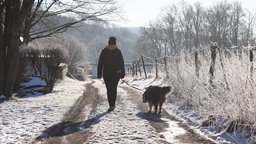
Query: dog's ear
x=165 y=89
x=148 y=87
x=172 y=88
x=144 y=97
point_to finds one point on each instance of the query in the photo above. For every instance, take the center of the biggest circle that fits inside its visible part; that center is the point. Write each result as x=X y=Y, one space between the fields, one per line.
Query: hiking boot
x=111 y=108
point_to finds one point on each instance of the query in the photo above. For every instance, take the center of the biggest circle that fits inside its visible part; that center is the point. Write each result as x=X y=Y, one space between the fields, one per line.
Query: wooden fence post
x=251 y=60
x=197 y=64
x=166 y=68
x=133 y=68
x=156 y=68
x=144 y=68
x=138 y=65
x=136 y=68
x=213 y=58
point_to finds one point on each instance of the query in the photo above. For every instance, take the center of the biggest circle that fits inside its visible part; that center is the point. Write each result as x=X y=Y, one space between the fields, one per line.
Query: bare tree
x=77 y=51
x=198 y=23
x=161 y=37
x=172 y=32
x=236 y=18
x=152 y=39
x=187 y=26
x=248 y=30
x=219 y=22
x=42 y=22
x=35 y=19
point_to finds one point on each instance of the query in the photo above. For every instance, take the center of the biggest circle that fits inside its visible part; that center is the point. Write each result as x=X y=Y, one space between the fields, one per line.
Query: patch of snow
x=142 y=83
x=34 y=81
x=173 y=131
x=215 y=132
x=23 y=119
x=2 y=97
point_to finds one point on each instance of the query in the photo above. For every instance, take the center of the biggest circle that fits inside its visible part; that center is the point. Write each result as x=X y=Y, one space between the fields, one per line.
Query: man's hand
x=99 y=75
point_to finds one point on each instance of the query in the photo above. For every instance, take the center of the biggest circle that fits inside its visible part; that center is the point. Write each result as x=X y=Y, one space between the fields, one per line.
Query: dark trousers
x=111 y=83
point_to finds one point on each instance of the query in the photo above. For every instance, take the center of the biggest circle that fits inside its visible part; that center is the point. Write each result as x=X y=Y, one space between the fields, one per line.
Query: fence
x=140 y=63
x=143 y=62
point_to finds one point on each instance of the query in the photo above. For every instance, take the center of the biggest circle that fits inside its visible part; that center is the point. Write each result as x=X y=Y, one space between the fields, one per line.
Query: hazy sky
x=141 y=12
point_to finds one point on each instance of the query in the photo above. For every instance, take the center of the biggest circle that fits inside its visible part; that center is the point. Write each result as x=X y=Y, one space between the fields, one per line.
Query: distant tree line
x=192 y=27
x=95 y=36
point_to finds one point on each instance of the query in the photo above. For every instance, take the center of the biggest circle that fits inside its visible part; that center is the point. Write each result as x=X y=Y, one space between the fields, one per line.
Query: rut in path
x=73 y=127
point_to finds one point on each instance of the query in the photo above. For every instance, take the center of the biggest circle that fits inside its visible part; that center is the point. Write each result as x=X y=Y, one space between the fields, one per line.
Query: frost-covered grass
x=235 y=102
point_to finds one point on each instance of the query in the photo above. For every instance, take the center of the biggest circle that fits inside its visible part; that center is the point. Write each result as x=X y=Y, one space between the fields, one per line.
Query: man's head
x=112 y=40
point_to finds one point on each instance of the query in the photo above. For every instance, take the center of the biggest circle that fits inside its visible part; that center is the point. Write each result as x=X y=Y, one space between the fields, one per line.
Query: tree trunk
x=2 y=54
x=15 y=17
x=6 y=36
x=11 y=37
x=12 y=60
x=213 y=58
x=144 y=68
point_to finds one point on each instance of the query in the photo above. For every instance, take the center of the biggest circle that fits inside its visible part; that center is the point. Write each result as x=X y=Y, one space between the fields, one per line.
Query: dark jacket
x=111 y=62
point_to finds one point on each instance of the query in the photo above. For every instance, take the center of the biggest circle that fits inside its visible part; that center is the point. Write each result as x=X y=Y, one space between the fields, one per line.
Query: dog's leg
x=160 y=108
x=156 y=107
x=150 y=107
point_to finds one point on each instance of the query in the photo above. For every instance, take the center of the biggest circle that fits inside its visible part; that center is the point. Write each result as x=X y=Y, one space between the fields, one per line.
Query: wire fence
x=144 y=64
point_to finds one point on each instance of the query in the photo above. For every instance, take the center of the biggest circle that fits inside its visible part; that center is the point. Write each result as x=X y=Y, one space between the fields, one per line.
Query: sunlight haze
x=141 y=12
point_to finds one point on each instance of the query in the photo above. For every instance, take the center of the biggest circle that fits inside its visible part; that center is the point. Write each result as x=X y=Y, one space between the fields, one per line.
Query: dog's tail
x=171 y=91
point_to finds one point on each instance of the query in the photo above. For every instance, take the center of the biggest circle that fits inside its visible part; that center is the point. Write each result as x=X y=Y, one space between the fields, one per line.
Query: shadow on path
x=66 y=128
x=73 y=125
x=150 y=117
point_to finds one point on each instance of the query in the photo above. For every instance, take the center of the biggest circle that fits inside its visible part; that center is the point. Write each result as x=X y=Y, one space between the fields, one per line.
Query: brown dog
x=156 y=96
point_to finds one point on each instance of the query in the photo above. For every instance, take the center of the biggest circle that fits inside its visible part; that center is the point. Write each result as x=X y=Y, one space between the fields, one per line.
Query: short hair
x=112 y=40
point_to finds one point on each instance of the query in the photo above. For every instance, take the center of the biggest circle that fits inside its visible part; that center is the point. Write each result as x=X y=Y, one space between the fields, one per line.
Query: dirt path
x=73 y=128
x=88 y=122
x=161 y=126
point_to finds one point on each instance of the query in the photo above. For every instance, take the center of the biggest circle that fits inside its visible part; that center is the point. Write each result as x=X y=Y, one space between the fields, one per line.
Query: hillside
x=95 y=37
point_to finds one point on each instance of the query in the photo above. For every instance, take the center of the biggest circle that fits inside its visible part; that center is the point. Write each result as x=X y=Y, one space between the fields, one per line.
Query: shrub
x=53 y=57
x=29 y=63
x=77 y=55
x=44 y=63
